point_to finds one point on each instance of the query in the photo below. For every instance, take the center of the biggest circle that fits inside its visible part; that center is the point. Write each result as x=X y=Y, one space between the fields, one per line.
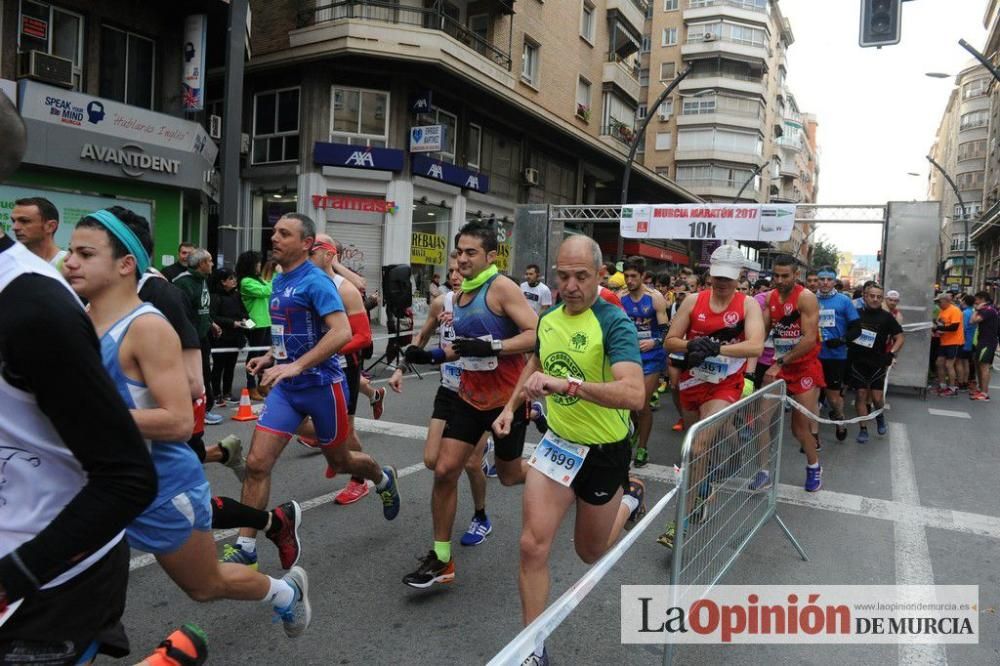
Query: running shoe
x=699 y=512
x=654 y=402
x=297 y=615
x=539 y=417
x=880 y=427
x=948 y=392
x=982 y=396
x=534 y=660
x=378 y=403
x=489 y=469
x=286 y=537
x=841 y=432
x=352 y=492
x=862 y=436
x=662 y=388
x=762 y=481
x=641 y=457
x=477 y=532
x=213 y=419
x=234 y=554
x=221 y=402
x=814 y=479
x=390 y=495
x=669 y=533
x=677 y=427
x=431 y=570
x=236 y=462
x=636 y=489
x=187 y=646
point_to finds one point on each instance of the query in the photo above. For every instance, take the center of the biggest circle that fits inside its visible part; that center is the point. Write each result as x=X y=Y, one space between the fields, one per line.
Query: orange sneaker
x=352 y=492
x=679 y=425
x=187 y=646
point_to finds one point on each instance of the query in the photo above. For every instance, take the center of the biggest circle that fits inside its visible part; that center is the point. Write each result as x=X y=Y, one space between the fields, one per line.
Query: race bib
x=479 y=363
x=716 y=368
x=558 y=459
x=784 y=345
x=451 y=374
x=278 y=342
x=866 y=339
x=827 y=318
x=645 y=335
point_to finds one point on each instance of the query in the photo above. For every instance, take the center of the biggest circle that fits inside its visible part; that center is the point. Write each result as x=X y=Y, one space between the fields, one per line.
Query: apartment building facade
x=960 y=147
x=395 y=123
x=986 y=235
x=99 y=85
x=731 y=130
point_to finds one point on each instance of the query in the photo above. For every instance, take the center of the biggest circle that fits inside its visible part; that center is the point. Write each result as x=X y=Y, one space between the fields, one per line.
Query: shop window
x=128 y=67
x=52 y=30
x=360 y=117
x=276 y=126
x=449 y=120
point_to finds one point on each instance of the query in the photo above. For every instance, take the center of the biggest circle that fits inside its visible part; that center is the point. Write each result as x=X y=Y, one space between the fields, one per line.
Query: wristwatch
x=573 y=385
x=496 y=345
x=779 y=361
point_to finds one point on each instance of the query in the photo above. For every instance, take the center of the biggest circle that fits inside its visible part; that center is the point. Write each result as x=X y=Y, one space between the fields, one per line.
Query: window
x=473 y=146
x=729 y=104
x=640 y=112
x=972 y=208
x=275 y=126
x=958 y=243
x=668 y=70
x=645 y=44
x=720 y=140
x=972 y=149
x=583 y=98
x=669 y=37
x=587 y=21
x=449 y=121
x=713 y=175
x=975 y=88
x=664 y=141
x=649 y=10
x=54 y=31
x=970 y=181
x=644 y=76
x=669 y=5
x=360 y=117
x=128 y=67
x=974 y=119
x=667 y=108
x=693 y=106
x=663 y=172
x=529 y=63
x=619 y=118
x=734 y=32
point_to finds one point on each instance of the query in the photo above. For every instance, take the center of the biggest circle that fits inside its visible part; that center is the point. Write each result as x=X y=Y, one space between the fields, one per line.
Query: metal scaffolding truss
x=805 y=213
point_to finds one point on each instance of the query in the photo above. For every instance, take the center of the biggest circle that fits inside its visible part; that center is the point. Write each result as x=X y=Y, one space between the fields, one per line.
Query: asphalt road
x=919 y=506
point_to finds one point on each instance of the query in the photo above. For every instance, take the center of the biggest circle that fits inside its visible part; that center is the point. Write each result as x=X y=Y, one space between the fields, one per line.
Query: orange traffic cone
x=245 y=412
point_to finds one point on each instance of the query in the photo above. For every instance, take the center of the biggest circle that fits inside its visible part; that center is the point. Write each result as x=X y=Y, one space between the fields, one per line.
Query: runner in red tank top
x=718 y=329
x=793 y=316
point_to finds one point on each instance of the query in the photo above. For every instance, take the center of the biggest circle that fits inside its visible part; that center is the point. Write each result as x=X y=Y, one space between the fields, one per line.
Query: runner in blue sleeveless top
x=648 y=311
x=142 y=354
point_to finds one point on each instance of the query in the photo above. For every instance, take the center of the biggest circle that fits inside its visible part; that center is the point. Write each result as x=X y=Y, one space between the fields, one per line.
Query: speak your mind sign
x=746 y=222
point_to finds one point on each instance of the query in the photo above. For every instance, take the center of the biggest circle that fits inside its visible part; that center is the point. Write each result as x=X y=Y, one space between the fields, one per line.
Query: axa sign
x=451 y=174
x=357 y=157
x=131 y=158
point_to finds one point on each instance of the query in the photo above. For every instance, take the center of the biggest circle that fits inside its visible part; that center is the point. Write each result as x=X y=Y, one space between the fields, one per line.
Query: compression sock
x=813 y=466
x=280 y=594
x=227 y=513
x=631 y=502
x=247 y=544
x=442 y=549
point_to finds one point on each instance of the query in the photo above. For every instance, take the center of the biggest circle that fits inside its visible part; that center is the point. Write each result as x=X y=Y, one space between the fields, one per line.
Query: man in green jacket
x=194 y=283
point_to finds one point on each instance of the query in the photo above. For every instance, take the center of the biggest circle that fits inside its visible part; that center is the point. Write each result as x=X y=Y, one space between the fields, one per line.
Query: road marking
x=948 y=412
x=145 y=560
x=913 y=557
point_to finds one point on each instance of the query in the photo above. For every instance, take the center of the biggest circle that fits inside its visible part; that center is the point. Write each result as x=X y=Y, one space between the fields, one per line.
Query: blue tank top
x=177 y=467
x=300 y=299
x=643 y=315
x=475 y=319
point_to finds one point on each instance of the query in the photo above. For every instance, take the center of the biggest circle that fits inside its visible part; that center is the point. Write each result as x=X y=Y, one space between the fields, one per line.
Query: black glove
x=695 y=358
x=417 y=356
x=833 y=343
x=472 y=347
x=705 y=346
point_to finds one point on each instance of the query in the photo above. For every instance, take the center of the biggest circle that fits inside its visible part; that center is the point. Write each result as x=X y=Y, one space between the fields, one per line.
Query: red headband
x=320 y=245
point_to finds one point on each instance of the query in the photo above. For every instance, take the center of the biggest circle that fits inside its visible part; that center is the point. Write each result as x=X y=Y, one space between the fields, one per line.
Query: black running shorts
x=604 y=472
x=467 y=424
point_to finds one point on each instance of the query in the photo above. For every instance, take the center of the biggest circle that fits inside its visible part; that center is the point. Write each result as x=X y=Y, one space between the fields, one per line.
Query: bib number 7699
x=558 y=459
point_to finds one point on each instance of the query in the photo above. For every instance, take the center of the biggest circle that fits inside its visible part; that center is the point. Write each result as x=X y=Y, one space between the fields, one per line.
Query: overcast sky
x=877 y=111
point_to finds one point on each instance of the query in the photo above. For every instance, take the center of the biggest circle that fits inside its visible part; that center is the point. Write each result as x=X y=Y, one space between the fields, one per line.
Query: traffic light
x=880 y=22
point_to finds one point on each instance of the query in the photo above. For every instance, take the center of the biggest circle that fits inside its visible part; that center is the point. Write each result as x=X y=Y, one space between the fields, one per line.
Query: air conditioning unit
x=708 y=37
x=531 y=176
x=47 y=68
x=244 y=143
x=215 y=126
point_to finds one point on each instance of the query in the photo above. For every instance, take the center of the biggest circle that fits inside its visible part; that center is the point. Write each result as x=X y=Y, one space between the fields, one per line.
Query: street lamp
x=965 y=216
x=639 y=135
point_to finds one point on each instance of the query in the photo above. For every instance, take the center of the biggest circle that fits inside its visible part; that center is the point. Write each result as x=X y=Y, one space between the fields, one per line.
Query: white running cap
x=727 y=262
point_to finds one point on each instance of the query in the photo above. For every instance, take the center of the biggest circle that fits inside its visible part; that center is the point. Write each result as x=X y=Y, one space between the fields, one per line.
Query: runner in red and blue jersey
x=308 y=327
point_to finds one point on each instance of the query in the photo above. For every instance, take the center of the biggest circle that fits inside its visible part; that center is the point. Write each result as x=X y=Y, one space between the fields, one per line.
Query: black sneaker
x=431 y=570
x=841 y=431
x=636 y=489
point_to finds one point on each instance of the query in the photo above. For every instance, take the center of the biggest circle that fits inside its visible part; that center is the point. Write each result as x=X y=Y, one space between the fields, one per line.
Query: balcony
x=718 y=187
x=711 y=46
x=721 y=117
x=723 y=81
x=736 y=9
x=632 y=12
x=620 y=135
x=624 y=76
x=792 y=143
x=717 y=155
x=382 y=27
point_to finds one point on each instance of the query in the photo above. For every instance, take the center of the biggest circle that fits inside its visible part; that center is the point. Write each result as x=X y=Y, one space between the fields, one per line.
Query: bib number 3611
x=558 y=459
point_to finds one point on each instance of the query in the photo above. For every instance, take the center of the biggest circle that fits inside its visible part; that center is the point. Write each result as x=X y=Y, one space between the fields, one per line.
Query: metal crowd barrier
x=719 y=507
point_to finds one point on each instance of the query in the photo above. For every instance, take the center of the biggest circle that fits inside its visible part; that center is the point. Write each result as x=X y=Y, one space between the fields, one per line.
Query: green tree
x=825 y=254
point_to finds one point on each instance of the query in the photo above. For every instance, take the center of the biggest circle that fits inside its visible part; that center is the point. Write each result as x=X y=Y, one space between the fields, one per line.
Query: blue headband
x=125 y=235
x=827 y=275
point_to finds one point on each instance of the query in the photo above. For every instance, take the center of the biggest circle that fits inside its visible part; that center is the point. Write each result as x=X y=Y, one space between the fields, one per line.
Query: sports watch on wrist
x=496 y=345
x=573 y=385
